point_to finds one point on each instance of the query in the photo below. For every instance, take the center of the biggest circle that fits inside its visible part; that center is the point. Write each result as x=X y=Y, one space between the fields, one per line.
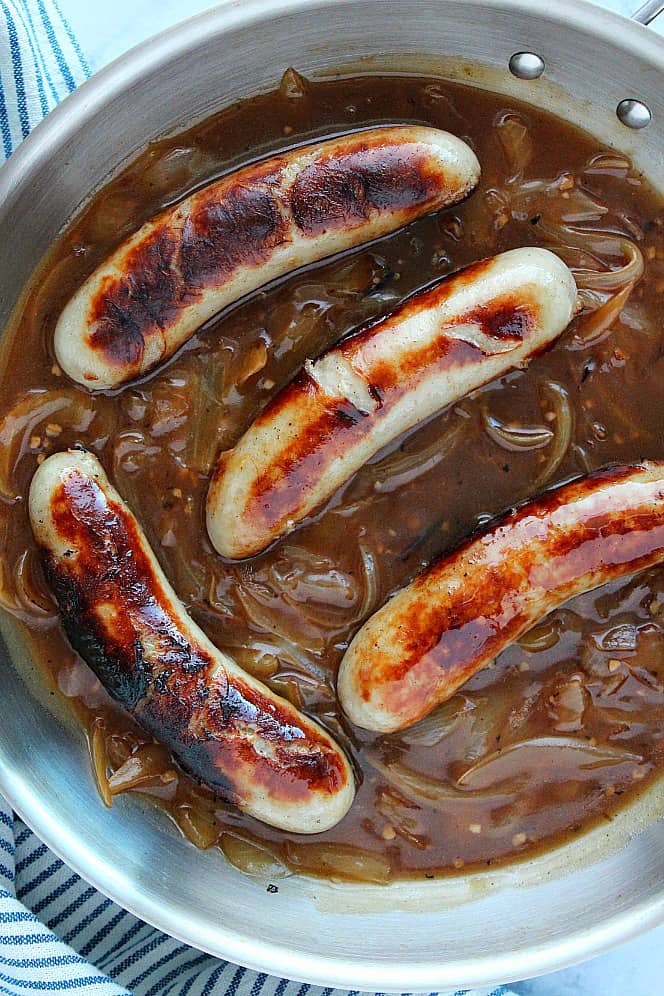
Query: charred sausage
x=252 y=747
x=248 y=228
x=347 y=405
x=473 y=603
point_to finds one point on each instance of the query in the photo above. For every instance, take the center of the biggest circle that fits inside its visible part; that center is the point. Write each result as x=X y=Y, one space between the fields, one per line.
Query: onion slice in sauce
x=564 y=429
x=552 y=753
x=432 y=792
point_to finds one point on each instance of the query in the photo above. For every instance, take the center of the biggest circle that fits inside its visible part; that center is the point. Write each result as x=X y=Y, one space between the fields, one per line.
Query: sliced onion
x=270 y=620
x=608 y=164
x=293 y=85
x=201 y=828
x=288 y=688
x=251 y=857
x=97 y=741
x=439 y=723
x=394 y=471
x=281 y=649
x=176 y=170
x=130 y=452
x=541 y=637
x=516 y=143
x=622 y=637
x=568 y=703
x=593 y=329
x=339 y=862
x=426 y=791
x=253 y=362
x=370 y=583
x=551 y=756
x=150 y=763
x=615 y=279
x=71 y=410
x=263 y=663
x=300 y=597
x=564 y=429
x=31 y=590
x=515 y=438
x=207 y=425
x=581 y=207
x=23 y=591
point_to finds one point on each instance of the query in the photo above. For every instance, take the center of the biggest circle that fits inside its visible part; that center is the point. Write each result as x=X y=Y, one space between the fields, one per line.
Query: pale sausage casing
x=225 y=727
x=455 y=618
x=252 y=226
x=439 y=345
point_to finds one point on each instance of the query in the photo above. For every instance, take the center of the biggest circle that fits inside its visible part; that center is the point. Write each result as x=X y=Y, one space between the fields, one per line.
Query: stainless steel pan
x=471 y=931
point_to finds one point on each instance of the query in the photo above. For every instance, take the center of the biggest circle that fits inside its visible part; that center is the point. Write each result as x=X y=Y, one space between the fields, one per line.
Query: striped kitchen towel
x=54 y=928
x=57 y=934
x=40 y=63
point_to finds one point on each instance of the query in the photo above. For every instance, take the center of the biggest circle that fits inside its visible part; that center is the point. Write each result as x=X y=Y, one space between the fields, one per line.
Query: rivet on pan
x=633 y=113
x=526 y=65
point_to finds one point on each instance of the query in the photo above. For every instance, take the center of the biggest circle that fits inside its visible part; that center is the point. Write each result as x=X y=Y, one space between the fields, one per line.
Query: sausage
x=344 y=407
x=252 y=747
x=248 y=228
x=452 y=620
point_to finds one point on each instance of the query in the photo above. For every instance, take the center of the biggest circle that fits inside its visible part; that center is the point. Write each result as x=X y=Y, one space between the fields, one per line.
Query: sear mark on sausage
x=118 y=617
x=241 y=229
x=128 y=309
x=345 y=190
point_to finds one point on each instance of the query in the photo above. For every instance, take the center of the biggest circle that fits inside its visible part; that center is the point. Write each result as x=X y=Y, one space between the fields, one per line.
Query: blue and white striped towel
x=58 y=934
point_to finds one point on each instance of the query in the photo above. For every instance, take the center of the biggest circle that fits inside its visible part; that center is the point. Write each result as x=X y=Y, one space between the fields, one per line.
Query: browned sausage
x=469 y=606
x=439 y=345
x=246 y=229
x=252 y=747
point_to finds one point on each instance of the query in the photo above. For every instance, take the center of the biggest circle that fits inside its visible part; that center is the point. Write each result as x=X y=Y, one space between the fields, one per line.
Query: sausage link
x=468 y=607
x=439 y=345
x=252 y=226
x=252 y=747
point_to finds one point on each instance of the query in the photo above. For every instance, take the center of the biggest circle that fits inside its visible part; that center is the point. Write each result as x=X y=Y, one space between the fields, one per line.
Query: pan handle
x=649 y=11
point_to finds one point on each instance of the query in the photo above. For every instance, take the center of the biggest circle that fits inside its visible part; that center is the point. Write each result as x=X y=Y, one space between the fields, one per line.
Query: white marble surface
x=106 y=31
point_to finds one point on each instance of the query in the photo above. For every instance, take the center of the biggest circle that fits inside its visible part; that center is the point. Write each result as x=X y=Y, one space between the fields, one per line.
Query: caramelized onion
x=32 y=594
x=568 y=703
x=149 y=763
x=608 y=164
x=131 y=450
x=339 y=862
x=370 y=583
x=615 y=279
x=516 y=143
x=97 y=745
x=299 y=596
x=293 y=85
x=176 y=170
x=251 y=857
x=23 y=590
x=246 y=649
x=550 y=756
x=426 y=791
x=32 y=417
x=393 y=471
x=512 y=437
x=593 y=328
x=541 y=637
x=564 y=427
x=439 y=723
x=254 y=359
x=202 y=828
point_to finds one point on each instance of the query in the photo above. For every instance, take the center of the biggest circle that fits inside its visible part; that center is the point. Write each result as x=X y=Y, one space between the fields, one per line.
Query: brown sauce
x=569 y=723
